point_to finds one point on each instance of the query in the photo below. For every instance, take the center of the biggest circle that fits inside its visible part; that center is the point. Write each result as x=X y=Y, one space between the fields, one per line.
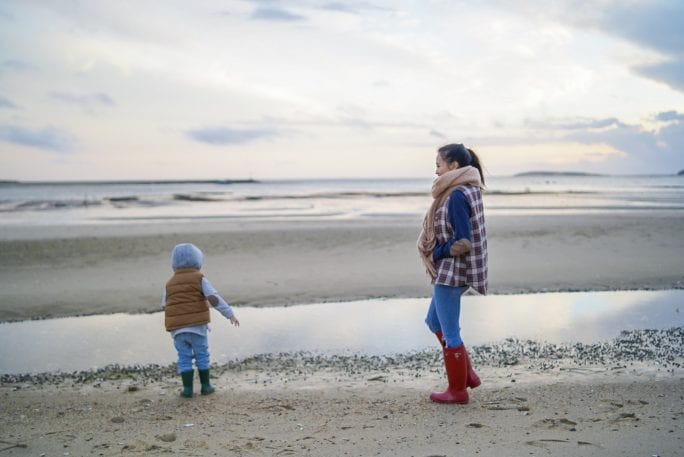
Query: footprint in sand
x=546 y=443
x=562 y=423
x=475 y=425
x=610 y=405
x=625 y=417
x=167 y=437
x=503 y=404
x=140 y=446
x=195 y=444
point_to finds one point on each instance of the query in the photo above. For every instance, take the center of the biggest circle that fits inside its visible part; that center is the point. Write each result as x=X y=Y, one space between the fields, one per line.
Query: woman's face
x=443 y=167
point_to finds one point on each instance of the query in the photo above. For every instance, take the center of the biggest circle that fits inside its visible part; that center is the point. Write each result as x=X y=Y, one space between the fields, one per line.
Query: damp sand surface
x=613 y=398
x=58 y=271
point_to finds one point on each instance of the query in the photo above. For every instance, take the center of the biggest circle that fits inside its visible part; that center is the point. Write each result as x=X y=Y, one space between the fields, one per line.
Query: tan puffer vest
x=185 y=302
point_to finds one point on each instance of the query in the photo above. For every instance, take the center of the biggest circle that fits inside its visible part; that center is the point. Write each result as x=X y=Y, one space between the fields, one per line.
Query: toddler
x=186 y=314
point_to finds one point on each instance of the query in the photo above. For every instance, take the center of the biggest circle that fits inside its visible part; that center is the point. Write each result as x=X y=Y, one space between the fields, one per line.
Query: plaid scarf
x=442 y=187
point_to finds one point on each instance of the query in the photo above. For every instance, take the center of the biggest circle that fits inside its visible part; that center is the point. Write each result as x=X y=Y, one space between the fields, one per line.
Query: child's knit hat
x=186 y=255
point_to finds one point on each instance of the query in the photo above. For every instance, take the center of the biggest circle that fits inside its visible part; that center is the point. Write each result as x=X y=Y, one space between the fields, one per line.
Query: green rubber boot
x=207 y=388
x=187 y=384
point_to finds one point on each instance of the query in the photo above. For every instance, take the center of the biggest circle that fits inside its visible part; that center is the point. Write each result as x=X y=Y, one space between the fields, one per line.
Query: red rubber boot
x=473 y=379
x=456 y=364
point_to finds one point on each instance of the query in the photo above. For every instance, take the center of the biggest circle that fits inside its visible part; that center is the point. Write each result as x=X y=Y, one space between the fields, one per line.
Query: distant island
x=557 y=173
x=681 y=173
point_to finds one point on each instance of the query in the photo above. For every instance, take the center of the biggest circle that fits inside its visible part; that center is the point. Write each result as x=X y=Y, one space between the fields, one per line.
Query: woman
x=453 y=248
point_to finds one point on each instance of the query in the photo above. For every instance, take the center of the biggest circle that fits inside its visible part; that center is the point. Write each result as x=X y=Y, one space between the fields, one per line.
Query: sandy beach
x=621 y=398
x=561 y=402
x=67 y=271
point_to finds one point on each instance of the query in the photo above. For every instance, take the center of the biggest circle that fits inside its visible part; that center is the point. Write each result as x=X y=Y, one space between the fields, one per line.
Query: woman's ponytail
x=476 y=163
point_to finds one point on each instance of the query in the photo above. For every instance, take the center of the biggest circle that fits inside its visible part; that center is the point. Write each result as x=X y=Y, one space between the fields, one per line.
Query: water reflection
x=369 y=327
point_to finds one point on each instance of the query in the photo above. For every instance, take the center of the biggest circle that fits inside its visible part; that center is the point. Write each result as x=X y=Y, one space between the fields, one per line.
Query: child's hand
x=234 y=320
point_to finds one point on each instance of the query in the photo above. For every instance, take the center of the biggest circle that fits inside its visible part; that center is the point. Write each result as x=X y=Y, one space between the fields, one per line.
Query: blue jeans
x=444 y=313
x=189 y=346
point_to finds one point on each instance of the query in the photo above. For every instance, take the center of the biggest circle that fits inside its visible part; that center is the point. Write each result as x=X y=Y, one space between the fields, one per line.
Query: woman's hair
x=186 y=255
x=456 y=152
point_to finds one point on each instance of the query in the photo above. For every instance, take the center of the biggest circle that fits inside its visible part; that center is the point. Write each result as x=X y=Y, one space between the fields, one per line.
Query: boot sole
x=445 y=402
x=449 y=402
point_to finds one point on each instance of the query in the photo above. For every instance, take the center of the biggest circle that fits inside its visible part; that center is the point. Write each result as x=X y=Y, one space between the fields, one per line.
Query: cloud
x=276 y=15
x=628 y=138
x=643 y=150
x=672 y=138
x=49 y=138
x=670 y=116
x=6 y=103
x=591 y=124
x=225 y=135
x=627 y=148
x=13 y=64
x=650 y=151
x=581 y=124
x=655 y=25
x=340 y=7
x=86 y=100
x=670 y=72
x=437 y=134
x=649 y=24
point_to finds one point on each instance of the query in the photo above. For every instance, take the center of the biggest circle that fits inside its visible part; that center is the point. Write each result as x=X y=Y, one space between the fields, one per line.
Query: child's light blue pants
x=444 y=313
x=189 y=346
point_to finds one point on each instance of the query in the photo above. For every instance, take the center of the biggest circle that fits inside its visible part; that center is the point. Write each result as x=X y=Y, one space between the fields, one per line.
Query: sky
x=142 y=89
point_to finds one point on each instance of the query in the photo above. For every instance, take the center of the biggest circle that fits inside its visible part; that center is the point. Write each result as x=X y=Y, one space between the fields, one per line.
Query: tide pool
x=371 y=327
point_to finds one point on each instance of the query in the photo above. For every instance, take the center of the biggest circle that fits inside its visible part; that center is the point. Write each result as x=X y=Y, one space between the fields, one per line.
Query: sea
x=149 y=202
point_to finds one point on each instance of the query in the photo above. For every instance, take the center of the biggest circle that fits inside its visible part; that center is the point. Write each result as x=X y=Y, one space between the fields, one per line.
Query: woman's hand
x=234 y=320
x=460 y=247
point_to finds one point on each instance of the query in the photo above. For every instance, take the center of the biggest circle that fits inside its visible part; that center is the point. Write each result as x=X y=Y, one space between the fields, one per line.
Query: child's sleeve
x=222 y=307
